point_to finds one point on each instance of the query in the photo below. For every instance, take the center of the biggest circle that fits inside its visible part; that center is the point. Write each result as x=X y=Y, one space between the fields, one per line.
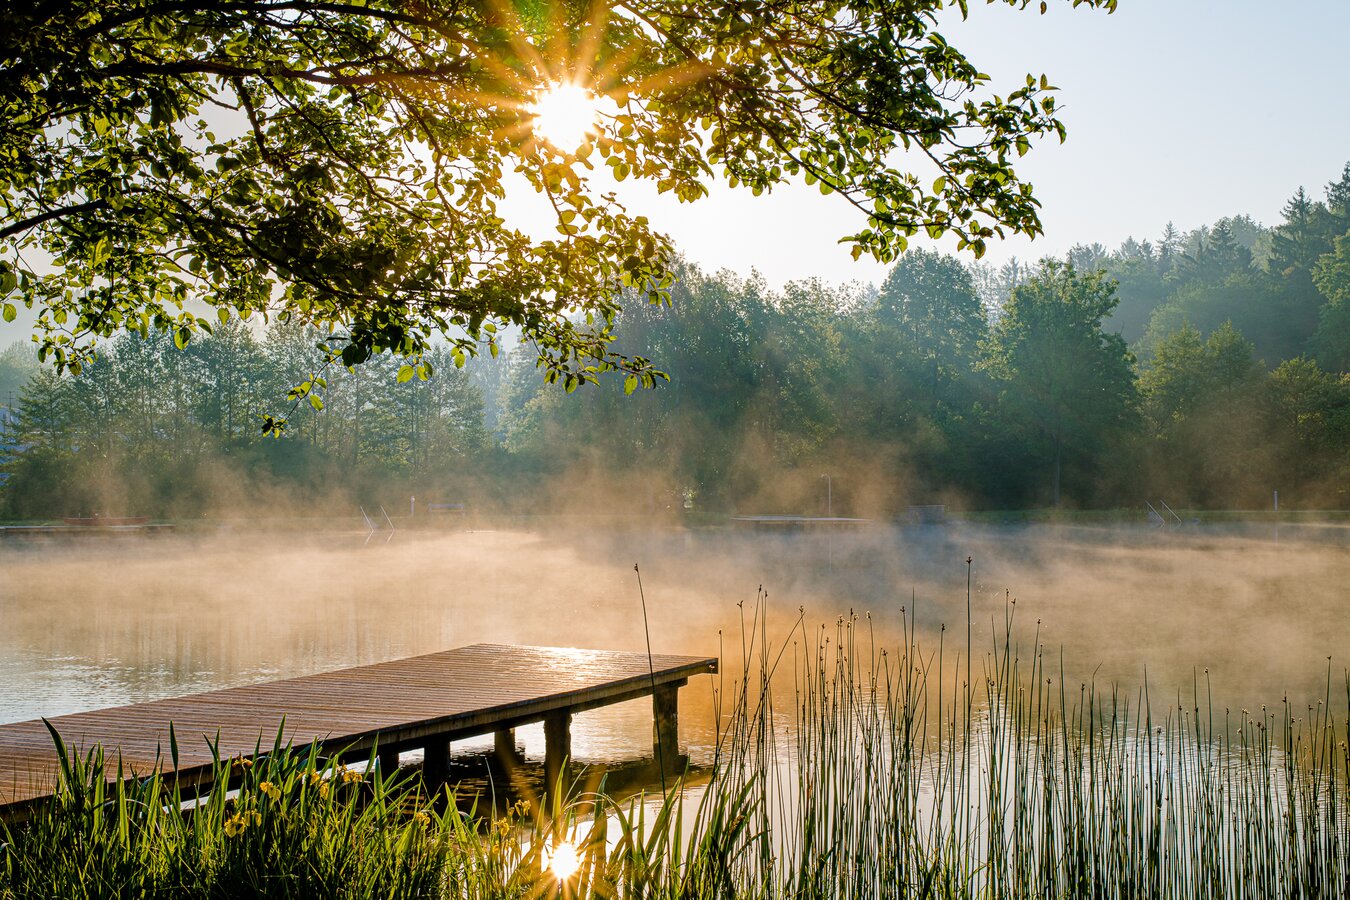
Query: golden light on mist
x=563 y=860
x=565 y=114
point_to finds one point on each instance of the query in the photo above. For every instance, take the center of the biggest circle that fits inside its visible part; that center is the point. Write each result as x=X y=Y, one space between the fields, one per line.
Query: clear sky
x=1178 y=110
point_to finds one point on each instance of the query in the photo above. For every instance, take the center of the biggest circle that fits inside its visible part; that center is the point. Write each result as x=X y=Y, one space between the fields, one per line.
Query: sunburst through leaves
x=565 y=114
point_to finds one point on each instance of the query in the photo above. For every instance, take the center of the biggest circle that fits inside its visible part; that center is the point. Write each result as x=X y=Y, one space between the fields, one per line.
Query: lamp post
x=829 y=496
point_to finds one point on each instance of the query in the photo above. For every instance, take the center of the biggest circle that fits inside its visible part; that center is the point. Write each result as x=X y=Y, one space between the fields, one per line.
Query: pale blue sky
x=1182 y=110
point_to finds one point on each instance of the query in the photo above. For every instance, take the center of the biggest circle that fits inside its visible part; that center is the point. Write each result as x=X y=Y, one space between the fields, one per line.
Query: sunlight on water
x=86 y=624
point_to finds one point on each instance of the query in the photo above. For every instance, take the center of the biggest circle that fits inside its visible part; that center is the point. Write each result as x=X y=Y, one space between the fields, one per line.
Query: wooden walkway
x=422 y=702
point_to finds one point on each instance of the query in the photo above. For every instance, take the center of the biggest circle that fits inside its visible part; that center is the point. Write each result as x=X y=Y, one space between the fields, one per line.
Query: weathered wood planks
x=423 y=701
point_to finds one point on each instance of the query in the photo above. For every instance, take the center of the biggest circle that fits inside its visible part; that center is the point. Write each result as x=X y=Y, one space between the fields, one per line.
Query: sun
x=562 y=860
x=565 y=114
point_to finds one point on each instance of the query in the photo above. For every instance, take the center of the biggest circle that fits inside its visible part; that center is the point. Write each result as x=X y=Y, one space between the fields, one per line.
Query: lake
x=92 y=622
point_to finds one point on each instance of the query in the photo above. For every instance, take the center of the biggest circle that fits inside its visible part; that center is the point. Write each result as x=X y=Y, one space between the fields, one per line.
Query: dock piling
x=436 y=762
x=504 y=744
x=388 y=761
x=666 y=725
x=557 y=747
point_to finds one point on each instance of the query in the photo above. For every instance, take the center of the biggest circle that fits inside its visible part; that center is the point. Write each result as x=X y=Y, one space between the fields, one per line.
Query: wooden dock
x=83 y=531
x=423 y=702
x=788 y=523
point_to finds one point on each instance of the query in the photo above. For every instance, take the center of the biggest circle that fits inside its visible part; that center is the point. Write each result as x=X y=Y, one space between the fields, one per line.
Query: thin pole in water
x=969 y=560
x=1277 y=517
x=970 y=688
x=651 y=670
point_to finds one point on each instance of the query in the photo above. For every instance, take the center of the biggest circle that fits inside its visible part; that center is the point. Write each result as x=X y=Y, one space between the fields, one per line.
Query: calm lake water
x=87 y=623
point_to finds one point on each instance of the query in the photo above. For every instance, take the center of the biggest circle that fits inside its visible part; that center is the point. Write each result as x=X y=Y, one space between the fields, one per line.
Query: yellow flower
x=234 y=826
x=348 y=776
x=422 y=819
x=270 y=790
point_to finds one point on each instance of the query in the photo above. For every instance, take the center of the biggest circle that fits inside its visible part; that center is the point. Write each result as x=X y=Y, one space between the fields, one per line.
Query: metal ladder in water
x=1156 y=519
x=374 y=528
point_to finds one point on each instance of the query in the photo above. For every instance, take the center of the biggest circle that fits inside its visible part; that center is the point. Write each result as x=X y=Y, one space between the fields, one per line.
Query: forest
x=1207 y=368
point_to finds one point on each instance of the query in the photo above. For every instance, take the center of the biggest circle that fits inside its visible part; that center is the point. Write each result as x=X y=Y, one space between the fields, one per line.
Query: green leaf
x=630 y=384
x=9 y=312
x=405 y=374
x=101 y=251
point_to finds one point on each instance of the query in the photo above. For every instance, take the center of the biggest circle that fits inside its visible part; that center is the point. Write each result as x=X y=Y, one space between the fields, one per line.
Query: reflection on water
x=86 y=624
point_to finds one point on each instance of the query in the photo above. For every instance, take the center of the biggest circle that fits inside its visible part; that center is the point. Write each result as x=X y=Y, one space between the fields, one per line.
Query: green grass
x=299 y=826
x=897 y=773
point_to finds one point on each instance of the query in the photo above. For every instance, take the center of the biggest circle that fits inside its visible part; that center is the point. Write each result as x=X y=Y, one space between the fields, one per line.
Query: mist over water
x=91 y=623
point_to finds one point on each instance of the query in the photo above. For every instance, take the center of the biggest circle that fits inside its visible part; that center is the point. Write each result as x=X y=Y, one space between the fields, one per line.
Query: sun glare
x=564 y=114
x=563 y=861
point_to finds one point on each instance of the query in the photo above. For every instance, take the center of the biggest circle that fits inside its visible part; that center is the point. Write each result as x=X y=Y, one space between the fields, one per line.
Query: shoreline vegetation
x=1207 y=369
x=471 y=517
x=898 y=772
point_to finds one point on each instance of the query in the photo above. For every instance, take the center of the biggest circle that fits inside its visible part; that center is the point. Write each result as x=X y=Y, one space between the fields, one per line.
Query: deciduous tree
x=1066 y=385
x=342 y=163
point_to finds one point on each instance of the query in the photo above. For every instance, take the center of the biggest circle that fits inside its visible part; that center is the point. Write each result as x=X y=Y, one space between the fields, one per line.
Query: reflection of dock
x=423 y=702
x=790 y=522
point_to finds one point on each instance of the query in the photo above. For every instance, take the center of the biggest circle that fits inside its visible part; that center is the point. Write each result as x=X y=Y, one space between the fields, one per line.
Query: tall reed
x=903 y=779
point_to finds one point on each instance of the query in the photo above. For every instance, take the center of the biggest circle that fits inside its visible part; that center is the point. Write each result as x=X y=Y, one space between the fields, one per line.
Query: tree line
x=1207 y=368
x=152 y=429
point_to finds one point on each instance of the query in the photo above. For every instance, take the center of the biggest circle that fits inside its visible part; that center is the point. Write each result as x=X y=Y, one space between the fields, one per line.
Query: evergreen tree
x=1300 y=239
x=1217 y=255
x=1338 y=201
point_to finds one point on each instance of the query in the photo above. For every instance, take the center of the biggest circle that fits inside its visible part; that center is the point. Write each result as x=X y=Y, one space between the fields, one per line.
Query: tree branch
x=33 y=221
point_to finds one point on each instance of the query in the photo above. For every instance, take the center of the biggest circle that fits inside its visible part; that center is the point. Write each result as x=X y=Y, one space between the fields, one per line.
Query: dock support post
x=504 y=744
x=557 y=748
x=666 y=725
x=388 y=759
x=436 y=763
